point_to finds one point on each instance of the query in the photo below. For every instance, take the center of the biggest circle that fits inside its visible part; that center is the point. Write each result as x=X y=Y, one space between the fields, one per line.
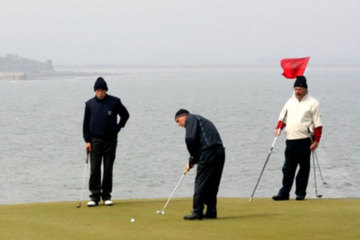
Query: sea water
x=42 y=156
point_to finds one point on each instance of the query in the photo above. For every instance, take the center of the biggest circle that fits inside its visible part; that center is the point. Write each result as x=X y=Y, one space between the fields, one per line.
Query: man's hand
x=188 y=167
x=314 y=145
x=88 y=147
x=277 y=132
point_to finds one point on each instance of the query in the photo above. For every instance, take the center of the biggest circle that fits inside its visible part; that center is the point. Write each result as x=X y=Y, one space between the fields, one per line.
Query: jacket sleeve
x=86 y=124
x=124 y=115
x=192 y=138
x=316 y=116
x=283 y=113
x=318 y=125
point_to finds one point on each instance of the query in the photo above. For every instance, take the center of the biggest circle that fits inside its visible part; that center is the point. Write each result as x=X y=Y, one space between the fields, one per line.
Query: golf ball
x=132 y=220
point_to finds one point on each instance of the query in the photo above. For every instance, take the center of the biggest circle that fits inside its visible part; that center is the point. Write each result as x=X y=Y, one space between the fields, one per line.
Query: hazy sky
x=181 y=31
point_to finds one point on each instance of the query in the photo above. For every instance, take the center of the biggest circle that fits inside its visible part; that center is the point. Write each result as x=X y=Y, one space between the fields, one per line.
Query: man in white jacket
x=301 y=115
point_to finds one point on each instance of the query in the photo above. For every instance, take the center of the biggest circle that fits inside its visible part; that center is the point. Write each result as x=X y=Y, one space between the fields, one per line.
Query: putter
x=318 y=164
x=83 y=183
x=266 y=161
x=316 y=191
x=162 y=212
x=313 y=157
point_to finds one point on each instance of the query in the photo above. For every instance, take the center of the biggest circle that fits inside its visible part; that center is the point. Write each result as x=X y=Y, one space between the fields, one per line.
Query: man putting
x=206 y=150
x=100 y=130
x=303 y=113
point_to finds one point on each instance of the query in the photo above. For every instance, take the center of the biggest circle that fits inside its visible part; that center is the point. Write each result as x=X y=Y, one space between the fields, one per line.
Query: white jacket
x=301 y=115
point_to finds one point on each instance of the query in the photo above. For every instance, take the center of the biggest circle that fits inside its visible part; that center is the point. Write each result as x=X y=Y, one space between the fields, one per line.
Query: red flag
x=294 y=66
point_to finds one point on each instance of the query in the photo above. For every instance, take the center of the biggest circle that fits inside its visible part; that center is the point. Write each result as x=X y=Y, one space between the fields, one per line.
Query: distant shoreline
x=113 y=69
x=62 y=71
x=225 y=66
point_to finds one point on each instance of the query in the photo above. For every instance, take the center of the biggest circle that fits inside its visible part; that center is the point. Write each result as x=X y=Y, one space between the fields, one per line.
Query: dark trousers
x=207 y=181
x=297 y=152
x=103 y=150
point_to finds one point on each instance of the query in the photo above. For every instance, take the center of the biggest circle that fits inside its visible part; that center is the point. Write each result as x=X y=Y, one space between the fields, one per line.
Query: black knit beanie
x=181 y=112
x=300 y=82
x=100 y=84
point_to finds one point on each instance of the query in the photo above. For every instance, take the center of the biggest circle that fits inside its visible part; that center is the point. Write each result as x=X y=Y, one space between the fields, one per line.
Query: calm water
x=42 y=153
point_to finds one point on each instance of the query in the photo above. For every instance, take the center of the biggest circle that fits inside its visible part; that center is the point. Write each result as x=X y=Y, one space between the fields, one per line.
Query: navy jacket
x=201 y=134
x=100 y=119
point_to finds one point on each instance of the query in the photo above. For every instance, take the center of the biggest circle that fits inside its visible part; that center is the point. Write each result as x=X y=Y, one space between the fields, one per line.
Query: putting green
x=327 y=219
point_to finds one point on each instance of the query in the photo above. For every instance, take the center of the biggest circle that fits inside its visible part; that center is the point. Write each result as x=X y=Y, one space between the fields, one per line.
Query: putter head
x=160 y=212
x=319 y=195
x=250 y=199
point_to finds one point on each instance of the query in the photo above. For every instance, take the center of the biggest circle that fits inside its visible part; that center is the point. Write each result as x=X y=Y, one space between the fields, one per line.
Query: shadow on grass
x=247 y=216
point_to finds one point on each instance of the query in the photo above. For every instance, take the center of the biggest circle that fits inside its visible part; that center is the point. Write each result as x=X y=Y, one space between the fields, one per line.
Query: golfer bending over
x=100 y=131
x=303 y=113
x=206 y=150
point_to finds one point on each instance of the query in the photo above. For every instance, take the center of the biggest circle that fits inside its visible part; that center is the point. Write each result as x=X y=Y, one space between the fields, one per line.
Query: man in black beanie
x=300 y=82
x=206 y=150
x=300 y=114
x=100 y=130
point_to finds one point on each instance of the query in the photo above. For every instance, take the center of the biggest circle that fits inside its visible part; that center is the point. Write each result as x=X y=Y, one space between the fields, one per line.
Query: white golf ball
x=132 y=220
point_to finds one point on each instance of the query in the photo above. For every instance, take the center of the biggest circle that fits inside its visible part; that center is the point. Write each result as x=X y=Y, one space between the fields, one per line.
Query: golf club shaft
x=316 y=192
x=173 y=192
x=83 y=183
x=318 y=164
x=313 y=154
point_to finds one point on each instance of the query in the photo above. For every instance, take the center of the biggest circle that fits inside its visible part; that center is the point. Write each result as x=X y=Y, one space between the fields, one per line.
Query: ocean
x=42 y=155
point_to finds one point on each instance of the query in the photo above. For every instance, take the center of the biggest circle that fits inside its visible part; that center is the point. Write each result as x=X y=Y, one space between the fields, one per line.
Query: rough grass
x=327 y=219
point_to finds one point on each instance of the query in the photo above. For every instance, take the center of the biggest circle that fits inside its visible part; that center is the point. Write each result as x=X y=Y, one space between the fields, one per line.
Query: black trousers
x=297 y=152
x=103 y=150
x=207 y=181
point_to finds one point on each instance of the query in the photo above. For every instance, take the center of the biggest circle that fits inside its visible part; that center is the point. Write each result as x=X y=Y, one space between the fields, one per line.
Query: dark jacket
x=100 y=119
x=201 y=134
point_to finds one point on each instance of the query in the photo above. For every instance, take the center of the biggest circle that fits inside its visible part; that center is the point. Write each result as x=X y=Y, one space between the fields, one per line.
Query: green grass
x=327 y=219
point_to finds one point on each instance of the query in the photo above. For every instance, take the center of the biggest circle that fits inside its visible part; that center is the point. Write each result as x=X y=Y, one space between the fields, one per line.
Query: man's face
x=100 y=93
x=181 y=121
x=300 y=92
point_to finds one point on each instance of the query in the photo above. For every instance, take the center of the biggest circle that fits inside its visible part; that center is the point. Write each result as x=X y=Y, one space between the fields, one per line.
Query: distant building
x=15 y=67
x=12 y=75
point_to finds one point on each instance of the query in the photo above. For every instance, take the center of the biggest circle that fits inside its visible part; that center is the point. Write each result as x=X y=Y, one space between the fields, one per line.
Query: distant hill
x=15 y=63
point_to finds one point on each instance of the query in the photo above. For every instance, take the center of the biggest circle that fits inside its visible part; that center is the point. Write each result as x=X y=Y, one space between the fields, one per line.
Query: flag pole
x=267 y=159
